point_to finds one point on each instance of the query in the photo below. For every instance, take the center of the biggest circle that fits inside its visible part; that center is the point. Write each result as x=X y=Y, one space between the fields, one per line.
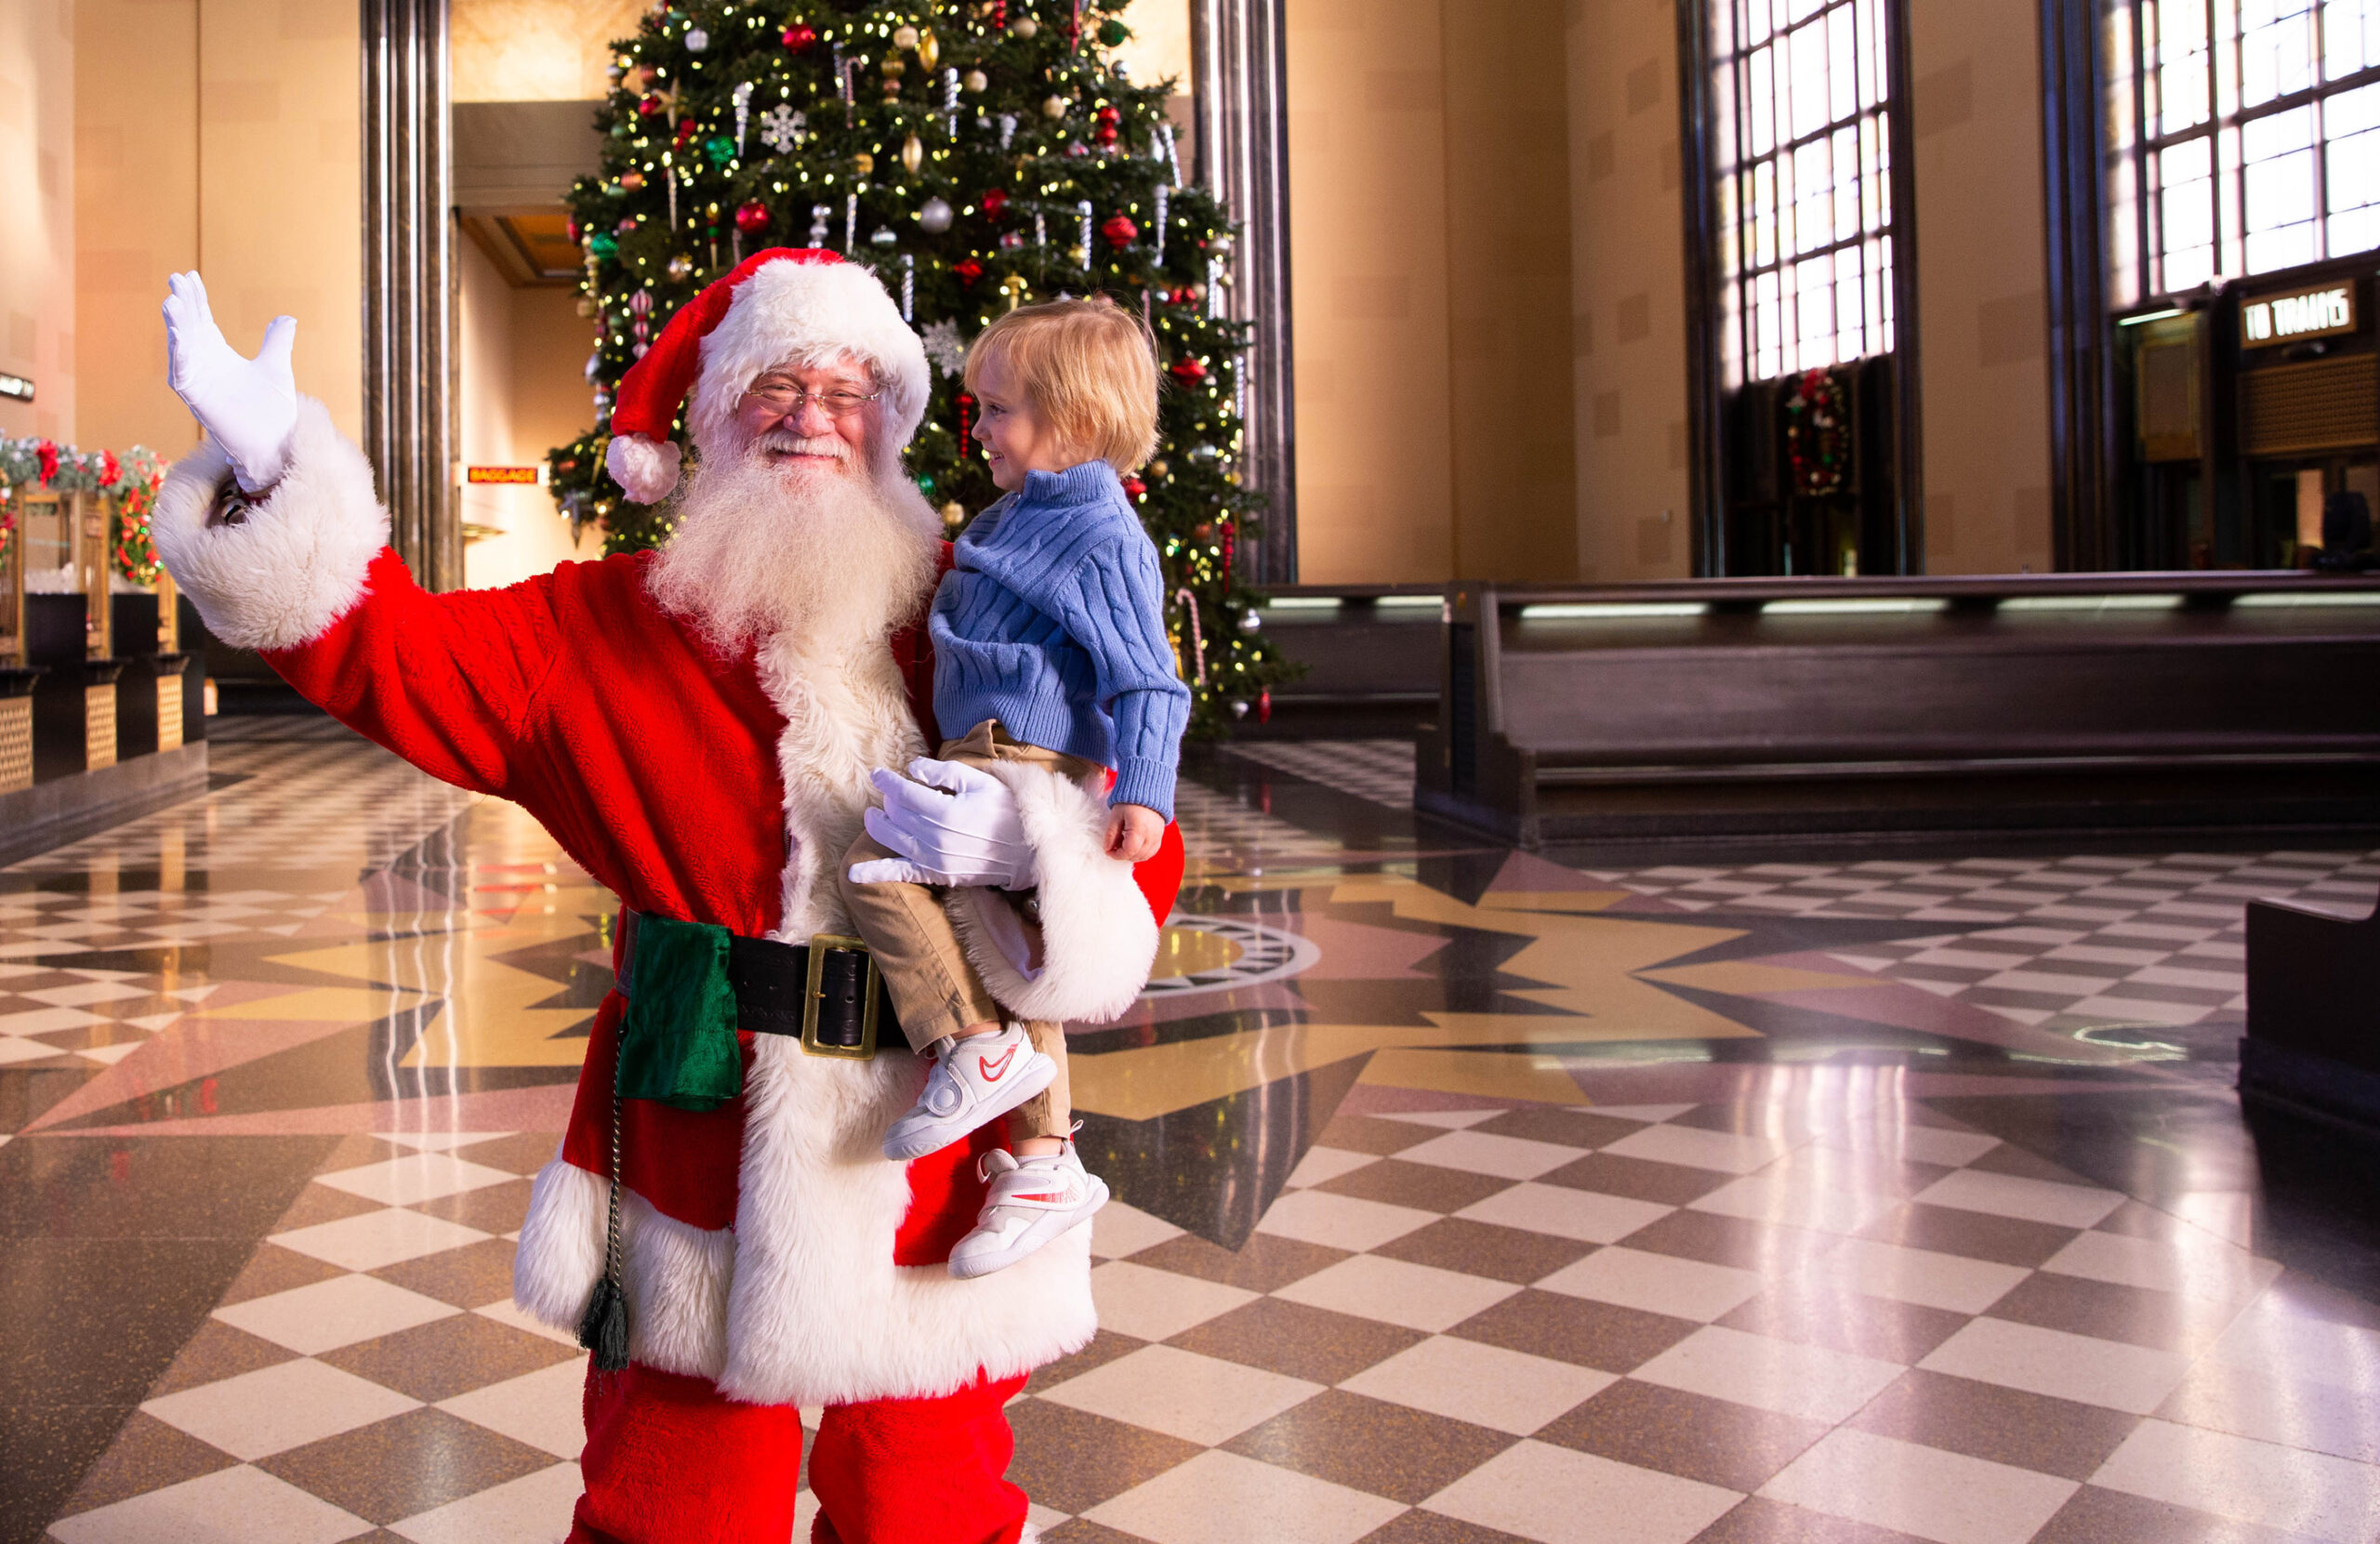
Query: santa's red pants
x=669 y=1461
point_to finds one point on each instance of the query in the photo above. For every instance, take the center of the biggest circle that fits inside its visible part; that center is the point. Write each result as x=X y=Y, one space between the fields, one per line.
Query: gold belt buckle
x=814 y=994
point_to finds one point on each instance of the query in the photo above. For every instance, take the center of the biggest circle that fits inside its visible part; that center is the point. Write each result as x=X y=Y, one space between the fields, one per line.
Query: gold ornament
x=632 y=181
x=913 y=154
x=863 y=164
x=1156 y=468
x=975 y=80
x=1024 y=27
x=954 y=515
x=1054 y=108
x=893 y=69
x=929 y=50
x=905 y=36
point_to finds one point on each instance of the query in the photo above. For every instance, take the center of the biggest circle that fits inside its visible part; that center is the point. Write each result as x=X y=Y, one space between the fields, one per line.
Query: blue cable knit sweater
x=1053 y=623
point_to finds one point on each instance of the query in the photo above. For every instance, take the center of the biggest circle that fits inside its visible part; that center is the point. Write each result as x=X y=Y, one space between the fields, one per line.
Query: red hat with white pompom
x=779 y=308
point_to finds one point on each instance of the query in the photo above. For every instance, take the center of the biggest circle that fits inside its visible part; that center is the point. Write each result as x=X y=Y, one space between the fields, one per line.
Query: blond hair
x=1088 y=367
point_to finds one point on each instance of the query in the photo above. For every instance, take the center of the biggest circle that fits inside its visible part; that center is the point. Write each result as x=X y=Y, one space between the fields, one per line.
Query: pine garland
x=977 y=156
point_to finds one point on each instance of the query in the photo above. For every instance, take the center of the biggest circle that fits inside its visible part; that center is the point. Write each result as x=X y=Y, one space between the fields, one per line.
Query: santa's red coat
x=766 y=1248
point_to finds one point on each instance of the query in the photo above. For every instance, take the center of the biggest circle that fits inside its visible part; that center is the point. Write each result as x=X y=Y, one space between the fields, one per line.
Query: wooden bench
x=2312 y=1051
x=1749 y=710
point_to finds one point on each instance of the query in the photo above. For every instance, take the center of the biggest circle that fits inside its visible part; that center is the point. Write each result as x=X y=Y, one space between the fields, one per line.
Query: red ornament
x=109 y=469
x=574 y=232
x=968 y=269
x=649 y=107
x=965 y=403
x=994 y=202
x=1187 y=370
x=752 y=217
x=1265 y=706
x=686 y=131
x=47 y=451
x=1134 y=488
x=798 y=36
x=1120 y=231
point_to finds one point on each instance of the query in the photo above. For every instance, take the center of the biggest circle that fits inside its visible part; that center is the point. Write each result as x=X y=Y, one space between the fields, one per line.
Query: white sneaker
x=1033 y=1201
x=972 y=1080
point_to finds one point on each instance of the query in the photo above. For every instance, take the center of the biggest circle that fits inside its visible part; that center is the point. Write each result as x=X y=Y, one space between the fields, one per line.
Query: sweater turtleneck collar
x=1083 y=484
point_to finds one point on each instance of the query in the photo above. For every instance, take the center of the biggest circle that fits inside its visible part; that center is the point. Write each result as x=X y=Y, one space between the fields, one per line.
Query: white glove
x=247 y=406
x=954 y=825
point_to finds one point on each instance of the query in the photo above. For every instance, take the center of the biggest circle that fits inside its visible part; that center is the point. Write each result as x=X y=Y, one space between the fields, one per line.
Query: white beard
x=831 y=561
x=816 y=570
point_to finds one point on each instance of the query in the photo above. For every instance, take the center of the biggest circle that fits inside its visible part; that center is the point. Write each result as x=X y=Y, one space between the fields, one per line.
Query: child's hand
x=1133 y=832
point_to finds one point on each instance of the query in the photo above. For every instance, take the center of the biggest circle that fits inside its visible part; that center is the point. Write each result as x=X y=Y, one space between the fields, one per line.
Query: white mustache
x=802 y=444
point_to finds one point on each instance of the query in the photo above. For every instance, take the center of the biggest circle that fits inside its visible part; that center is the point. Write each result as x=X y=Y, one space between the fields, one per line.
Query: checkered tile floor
x=1376 y=771
x=310 y=803
x=2184 y=889
x=1655 y=1323
x=1219 y=828
x=1675 y=1324
x=366 y=1369
x=82 y=1017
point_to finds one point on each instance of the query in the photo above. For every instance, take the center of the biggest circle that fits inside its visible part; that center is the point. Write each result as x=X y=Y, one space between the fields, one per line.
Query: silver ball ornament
x=933 y=215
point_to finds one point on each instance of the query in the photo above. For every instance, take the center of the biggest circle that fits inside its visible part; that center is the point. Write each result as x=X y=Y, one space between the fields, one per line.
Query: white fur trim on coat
x=297 y=563
x=646 y=468
x=791 y=310
x=819 y=1314
x=675 y=1275
x=801 y=1303
x=1098 y=937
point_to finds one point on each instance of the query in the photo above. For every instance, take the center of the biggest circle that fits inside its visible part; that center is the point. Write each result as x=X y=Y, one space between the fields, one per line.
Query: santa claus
x=697 y=728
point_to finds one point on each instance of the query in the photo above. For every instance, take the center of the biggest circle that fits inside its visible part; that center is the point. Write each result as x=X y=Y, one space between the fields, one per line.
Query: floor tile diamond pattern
x=1575 y=1363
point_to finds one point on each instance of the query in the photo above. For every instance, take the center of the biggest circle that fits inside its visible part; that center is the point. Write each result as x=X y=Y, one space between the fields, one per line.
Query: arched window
x=2258 y=140
x=1798 y=235
x=1804 y=196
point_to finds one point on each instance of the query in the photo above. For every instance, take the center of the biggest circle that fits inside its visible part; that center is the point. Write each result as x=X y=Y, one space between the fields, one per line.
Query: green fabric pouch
x=677 y=1039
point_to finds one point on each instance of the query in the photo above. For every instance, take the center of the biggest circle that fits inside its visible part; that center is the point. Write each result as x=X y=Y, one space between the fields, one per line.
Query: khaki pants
x=933 y=989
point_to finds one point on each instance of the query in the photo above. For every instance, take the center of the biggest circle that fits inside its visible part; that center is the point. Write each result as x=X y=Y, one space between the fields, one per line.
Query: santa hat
x=777 y=306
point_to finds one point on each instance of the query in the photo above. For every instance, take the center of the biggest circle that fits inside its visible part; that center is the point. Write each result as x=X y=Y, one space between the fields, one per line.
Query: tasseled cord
x=605 y=1330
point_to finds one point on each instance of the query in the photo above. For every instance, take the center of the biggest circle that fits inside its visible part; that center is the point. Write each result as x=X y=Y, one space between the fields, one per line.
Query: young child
x=1049 y=648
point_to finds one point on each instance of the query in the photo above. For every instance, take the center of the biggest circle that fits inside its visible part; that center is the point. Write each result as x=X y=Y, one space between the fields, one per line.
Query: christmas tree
x=976 y=156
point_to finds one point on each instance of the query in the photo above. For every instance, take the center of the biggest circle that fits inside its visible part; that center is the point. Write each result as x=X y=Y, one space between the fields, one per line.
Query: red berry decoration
x=752 y=217
x=1119 y=232
x=994 y=202
x=968 y=269
x=798 y=36
x=1188 y=371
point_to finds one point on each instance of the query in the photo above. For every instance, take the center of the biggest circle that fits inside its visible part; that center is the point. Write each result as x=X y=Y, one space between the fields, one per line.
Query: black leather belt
x=827 y=993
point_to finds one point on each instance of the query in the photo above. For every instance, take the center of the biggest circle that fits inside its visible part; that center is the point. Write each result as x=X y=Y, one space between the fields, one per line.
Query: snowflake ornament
x=942 y=347
x=781 y=128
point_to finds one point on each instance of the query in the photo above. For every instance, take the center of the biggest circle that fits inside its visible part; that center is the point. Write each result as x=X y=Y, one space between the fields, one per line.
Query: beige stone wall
x=229 y=140
x=1368 y=275
x=136 y=211
x=1981 y=286
x=1627 y=332
x=535 y=51
x=37 y=231
x=1429 y=254
x=1508 y=259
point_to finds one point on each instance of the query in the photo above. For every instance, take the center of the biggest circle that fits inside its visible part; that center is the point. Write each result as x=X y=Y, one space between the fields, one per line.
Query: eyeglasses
x=784 y=399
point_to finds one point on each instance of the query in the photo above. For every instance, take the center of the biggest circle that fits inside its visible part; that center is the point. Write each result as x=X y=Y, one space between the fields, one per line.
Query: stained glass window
x=1804 y=196
x=2259 y=142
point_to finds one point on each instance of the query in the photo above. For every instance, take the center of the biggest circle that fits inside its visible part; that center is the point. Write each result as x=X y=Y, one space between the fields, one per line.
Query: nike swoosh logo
x=992 y=1072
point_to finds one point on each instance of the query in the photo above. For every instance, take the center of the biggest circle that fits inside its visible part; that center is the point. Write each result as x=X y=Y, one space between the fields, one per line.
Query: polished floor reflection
x=1465 y=1195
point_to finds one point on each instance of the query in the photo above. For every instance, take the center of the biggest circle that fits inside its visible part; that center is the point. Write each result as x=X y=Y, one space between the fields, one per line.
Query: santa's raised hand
x=248 y=406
